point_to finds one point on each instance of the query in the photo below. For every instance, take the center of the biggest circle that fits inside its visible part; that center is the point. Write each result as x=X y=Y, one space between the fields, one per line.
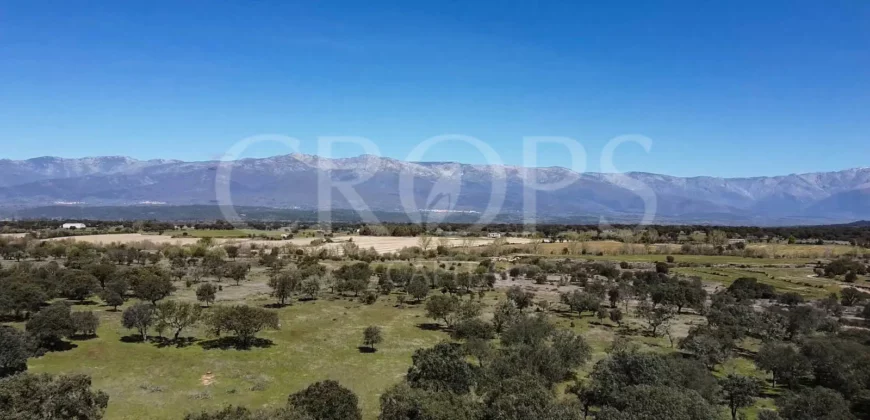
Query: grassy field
x=775 y=253
x=318 y=340
x=797 y=280
x=704 y=259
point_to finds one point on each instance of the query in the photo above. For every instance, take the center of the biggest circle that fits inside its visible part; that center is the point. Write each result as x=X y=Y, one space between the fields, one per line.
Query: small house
x=73 y=226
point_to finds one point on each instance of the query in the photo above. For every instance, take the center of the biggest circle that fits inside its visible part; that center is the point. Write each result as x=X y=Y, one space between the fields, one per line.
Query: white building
x=494 y=235
x=73 y=226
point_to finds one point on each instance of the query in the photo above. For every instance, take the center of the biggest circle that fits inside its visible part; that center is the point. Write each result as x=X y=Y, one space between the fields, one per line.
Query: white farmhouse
x=73 y=226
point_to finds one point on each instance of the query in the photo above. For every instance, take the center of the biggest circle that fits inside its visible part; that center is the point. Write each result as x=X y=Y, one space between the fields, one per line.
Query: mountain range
x=291 y=181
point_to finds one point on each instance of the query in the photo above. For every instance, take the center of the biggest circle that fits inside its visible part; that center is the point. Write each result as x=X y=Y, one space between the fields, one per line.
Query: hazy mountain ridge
x=16 y=172
x=290 y=181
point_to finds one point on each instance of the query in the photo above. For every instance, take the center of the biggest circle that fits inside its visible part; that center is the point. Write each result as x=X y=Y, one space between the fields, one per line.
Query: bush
x=790 y=299
x=473 y=328
x=662 y=268
x=368 y=297
x=326 y=400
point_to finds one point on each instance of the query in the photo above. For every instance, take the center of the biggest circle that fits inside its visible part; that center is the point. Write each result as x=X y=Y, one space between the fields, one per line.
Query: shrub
x=368 y=297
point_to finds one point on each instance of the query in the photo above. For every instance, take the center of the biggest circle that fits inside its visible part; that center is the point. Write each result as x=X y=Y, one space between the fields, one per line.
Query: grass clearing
x=318 y=340
x=796 y=280
x=773 y=253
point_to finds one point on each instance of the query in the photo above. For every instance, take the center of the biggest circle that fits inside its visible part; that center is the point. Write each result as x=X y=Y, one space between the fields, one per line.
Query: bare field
x=125 y=238
x=12 y=235
x=381 y=244
x=384 y=244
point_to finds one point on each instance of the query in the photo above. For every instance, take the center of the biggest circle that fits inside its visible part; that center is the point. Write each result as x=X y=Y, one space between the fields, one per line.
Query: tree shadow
x=9 y=371
x=626 y=330
x=307 y=299
x=226 y=343
x=132 y=339
x=82 y=337
x=60 y=346
x=366 y=349
x=564 y=313
x=87 y=302
x=748 y=354
x=430 y=326
x=180 y=343
x=275 y=305
x=771 y=391
x=12 y=318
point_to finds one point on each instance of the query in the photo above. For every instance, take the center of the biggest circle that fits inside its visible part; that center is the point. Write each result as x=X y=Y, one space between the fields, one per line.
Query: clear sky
x=721 y=88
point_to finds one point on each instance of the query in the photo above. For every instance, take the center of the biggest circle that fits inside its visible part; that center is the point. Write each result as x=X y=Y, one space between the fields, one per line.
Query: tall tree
x=78 y=284
x=284 y=284
x=243 y=321
x=152 y=285
x=50 y=325
x=581 y=302
x=738 y=392
x=418 y=288
x=237 y=271
x=372 y=336
x=139 y=317
x=441 y=307
x=14 y=351
x=441 y=368
x=85 y=323
x=814 y=404
x=206 y=293
x=787 y=365
x=177 y=315
x=521 y=298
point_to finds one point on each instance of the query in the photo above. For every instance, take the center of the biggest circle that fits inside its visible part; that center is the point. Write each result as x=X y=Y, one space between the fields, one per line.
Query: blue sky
x=721 y=88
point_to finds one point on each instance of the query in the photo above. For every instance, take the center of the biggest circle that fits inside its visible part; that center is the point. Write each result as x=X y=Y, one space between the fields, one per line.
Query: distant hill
x=291 y=182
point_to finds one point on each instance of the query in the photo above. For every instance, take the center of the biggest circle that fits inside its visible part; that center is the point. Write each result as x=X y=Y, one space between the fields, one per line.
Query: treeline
x=64 y=397
x=24 y=226
x=856 y=234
